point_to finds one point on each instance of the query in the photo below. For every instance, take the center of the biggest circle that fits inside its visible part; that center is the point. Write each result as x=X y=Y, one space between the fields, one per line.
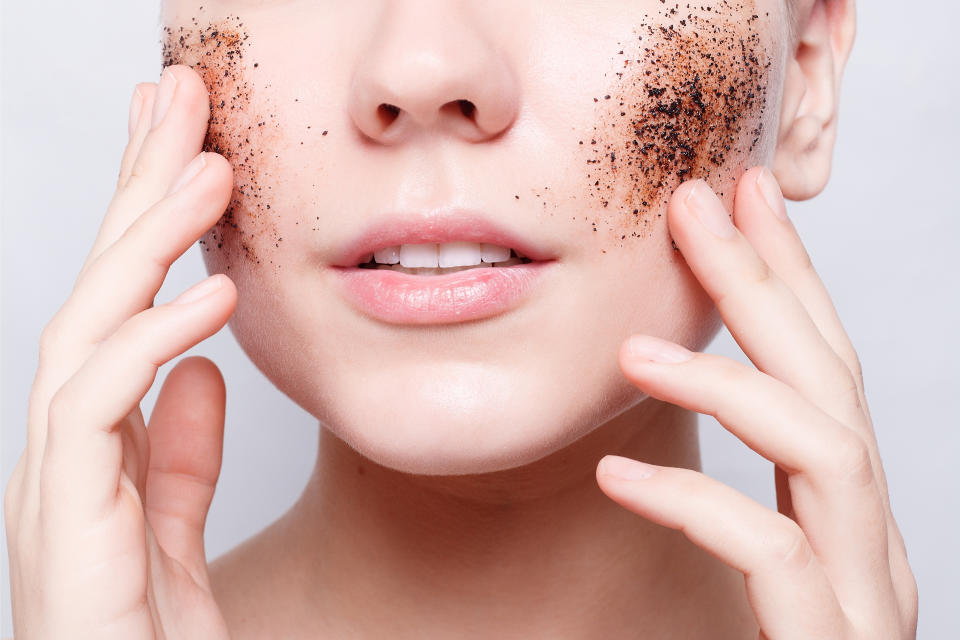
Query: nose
x=425 y=70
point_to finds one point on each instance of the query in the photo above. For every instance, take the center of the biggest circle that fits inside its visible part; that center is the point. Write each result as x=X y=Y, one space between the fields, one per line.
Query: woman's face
x=567 y=124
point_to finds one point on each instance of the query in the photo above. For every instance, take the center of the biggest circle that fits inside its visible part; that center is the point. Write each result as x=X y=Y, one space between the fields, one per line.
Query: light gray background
x=883 y=237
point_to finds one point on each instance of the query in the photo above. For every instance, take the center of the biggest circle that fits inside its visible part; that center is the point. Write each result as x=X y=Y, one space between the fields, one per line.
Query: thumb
x=186 y=448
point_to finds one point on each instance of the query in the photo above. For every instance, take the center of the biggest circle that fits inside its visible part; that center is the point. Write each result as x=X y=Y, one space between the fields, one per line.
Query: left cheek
x=688 y=100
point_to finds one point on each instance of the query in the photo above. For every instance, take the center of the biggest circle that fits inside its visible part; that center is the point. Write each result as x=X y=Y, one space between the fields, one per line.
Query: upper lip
x=457 y=225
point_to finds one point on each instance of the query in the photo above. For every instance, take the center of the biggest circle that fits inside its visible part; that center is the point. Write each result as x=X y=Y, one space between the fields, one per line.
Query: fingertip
x=675 y=208
x=189 y=82
x=198 y=371
x=147 y=89
x=217 y=163
x=682 y=193
x=759 y=201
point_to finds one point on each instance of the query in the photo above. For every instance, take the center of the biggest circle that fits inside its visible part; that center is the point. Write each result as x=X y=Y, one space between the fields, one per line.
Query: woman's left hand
x=832 y=562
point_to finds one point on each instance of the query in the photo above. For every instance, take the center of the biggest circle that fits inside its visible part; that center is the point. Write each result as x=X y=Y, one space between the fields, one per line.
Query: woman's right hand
x=105 y=518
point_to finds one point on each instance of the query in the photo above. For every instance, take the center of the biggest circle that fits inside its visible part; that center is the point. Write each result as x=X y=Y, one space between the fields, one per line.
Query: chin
x=466 y=418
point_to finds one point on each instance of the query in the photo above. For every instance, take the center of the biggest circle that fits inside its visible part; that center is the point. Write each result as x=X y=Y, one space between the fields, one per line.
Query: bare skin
x=460 y=544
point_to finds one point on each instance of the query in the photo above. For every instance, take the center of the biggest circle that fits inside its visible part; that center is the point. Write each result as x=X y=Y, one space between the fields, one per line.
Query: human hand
x=832 y=562
x=104 y=517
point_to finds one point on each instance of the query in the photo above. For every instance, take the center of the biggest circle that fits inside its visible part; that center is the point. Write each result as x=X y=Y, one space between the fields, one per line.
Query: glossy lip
x=450 y=225
x=403 y=298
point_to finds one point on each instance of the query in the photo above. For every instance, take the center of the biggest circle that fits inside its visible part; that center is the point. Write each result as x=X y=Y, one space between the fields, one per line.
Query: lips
x=403 y=298
x=438 y=227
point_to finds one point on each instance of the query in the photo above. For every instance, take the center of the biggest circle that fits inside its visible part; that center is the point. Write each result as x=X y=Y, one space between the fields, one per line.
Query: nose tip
x=432 y=76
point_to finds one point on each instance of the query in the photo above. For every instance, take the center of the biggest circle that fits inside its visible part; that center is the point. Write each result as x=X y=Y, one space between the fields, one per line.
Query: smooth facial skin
x=296 y=110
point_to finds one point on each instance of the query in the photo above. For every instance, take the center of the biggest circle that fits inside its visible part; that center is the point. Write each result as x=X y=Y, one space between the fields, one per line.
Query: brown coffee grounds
x=687 y=102
x=248 y=139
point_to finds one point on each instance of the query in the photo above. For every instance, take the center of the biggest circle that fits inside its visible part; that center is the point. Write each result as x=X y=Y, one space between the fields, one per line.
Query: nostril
x=387 y=114
x=467 y=108
x=460 y=108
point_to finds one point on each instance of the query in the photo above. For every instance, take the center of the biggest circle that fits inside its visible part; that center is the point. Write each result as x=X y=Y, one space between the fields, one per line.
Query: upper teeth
x=447 y=254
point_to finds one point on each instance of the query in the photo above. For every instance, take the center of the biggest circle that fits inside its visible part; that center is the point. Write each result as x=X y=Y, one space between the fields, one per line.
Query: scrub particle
x=246 y=138
x=688 y=101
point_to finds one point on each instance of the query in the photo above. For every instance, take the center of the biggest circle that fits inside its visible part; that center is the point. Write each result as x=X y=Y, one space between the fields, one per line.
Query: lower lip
x=472 y=294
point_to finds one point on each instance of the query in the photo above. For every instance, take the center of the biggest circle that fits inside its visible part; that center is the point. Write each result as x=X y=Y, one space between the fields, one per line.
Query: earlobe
x=808 y=117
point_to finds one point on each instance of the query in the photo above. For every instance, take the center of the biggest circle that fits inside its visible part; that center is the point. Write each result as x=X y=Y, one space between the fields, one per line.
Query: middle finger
x=764 y=316
x=124 y=279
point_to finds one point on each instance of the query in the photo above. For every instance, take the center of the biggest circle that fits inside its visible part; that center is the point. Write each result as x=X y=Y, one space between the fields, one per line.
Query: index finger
x=172 y=135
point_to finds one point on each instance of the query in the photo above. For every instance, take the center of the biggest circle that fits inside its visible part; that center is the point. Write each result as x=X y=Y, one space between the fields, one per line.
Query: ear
x=808 y=119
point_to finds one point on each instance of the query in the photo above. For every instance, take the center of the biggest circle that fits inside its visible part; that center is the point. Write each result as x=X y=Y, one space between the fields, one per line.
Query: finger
x=835 y=496
x=763 y=315
x=139 y=128
x=123 y=282
x=82 y=455
x=787 y=588
x=125 y=277
x=186 y=447
x=761 y=215
x=177 y=127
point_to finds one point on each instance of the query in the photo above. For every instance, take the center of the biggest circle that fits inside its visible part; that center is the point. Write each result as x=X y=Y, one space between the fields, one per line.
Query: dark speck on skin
x=688 y=101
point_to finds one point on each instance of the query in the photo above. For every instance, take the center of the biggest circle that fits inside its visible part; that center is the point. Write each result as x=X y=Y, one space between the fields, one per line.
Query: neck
x=535 y=551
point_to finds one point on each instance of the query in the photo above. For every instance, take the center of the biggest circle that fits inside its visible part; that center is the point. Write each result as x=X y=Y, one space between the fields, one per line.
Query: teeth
x=458 y=254
x=443 y=255
x=418 y=255
x=387 y=255
x=426 y=271
x=494 y=253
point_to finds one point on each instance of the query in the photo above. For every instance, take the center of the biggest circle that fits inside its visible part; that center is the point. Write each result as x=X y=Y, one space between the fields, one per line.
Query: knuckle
x=761 y=275
x=122 y=177
x=806 y=264
x=757 y=276
x=58 y=413
x=140 y=170
x=910 y=602
x=11 y=495
x=788 y=547
x=839 y=392
x=856 y=367
x=850 y=460
x=51 y=339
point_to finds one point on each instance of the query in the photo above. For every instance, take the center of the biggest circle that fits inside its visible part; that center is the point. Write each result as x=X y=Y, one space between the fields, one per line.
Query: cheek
x=243 y=128
x=688 y=99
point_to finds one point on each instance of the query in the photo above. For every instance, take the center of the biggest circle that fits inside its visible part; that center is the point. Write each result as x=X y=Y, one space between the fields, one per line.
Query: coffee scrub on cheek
x=244 y=128
x=688 y=99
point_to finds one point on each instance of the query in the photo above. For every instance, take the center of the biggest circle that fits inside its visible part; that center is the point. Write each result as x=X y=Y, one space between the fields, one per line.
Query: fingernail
x=200 y=290
x=652 y=349
x=189 y=172
x=136 y=104
x=772 y=193
x=706 y=206
x=625 y=468
x=165 y=91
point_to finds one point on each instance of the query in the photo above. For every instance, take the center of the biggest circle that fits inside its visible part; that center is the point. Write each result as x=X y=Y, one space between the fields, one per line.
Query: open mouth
x=439 y=259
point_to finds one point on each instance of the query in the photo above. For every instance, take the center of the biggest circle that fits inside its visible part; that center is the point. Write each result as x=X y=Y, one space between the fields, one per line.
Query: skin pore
x=454 y=493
